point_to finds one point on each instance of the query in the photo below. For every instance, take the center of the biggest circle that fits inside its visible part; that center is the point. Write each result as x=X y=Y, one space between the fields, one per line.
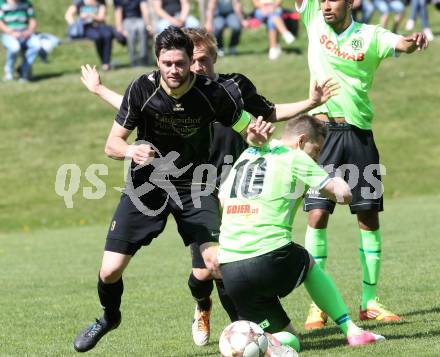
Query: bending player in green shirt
x=350 y=53
x=258 y=260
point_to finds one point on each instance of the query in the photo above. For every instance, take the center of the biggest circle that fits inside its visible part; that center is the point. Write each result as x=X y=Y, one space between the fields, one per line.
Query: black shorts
x=131 y=228
x=256 y=284
x=354 y=153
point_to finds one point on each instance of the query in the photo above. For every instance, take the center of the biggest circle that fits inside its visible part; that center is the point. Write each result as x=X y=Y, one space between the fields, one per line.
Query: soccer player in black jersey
x=170 y=92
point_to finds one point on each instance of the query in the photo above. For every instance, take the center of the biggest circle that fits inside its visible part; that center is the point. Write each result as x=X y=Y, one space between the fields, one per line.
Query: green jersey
x=16 y=16
x=350 y=58
x=261 y=196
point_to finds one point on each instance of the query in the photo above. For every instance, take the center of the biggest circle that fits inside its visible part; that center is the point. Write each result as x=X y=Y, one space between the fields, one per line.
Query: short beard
x=336 y=22
x=173 y=85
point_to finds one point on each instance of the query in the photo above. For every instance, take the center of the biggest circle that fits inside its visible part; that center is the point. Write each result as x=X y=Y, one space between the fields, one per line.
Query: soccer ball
x=243 y=339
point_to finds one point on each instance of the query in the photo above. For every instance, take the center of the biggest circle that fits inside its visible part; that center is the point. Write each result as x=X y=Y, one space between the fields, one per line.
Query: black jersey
x=253 y=102
x=227 y=144
x=185 y=124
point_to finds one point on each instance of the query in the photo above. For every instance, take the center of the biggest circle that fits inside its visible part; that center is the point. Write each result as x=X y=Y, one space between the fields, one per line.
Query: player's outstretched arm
x=337 y=190
x=416 y=41
x=91 y=79
x=258 y=132
x=319 y=94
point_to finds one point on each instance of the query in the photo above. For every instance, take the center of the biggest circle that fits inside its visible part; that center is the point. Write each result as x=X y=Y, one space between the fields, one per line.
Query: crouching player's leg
x=201 y=284
x=256 y=284
x=325 y=294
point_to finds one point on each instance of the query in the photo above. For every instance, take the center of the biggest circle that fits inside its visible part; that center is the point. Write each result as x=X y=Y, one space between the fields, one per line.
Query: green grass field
x=50 y=255
x=48 y=290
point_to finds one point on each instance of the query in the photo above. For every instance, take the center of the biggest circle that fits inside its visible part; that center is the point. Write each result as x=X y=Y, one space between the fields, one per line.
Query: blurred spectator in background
x=366 y=9
x=222 y=14
x=47 y=44
x=419 y=7
x=387 y=6
x=269 y=11
x=174 y=13
x=18 y=24
x=92 y=14
x=132 y=20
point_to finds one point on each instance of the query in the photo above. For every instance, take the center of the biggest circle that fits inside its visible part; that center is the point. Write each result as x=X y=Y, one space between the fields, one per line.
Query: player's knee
x=318 y=218
x=109 y=274
x=202 y=274
x=368 y=220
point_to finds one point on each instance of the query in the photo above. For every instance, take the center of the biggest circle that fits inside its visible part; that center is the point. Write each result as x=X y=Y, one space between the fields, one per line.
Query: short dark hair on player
x=313 y=128
x=173 y=38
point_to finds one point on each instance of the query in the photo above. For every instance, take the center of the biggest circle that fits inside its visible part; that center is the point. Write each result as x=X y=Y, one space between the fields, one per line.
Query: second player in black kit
x=181 y=121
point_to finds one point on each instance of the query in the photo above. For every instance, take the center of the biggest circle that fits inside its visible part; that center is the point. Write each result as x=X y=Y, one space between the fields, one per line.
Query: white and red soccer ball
x=243 y=339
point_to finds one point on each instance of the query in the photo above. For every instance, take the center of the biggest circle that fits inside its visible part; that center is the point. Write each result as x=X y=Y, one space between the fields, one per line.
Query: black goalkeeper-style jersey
x=184 y=124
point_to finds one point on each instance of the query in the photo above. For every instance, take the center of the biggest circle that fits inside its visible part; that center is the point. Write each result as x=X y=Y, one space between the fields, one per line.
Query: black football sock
x=110 y=298
x=226 y=301
x=201 y=291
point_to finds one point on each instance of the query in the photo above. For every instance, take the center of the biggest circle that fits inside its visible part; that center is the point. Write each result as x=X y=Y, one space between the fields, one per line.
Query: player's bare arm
x=337 y=190
x=209 y=253
x=416 y=41
x=117 y=147
x=319 y=94
x=92 y=80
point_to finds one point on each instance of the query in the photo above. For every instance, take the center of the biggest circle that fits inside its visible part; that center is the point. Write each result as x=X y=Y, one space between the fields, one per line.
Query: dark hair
x=313 y=128
x=173 y=38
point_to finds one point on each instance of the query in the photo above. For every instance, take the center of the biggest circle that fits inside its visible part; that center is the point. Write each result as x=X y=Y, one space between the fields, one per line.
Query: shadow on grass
x=434 y=310
x=315 y=339
x=371 y=325
x=295 y=50
x=326 y=344
x=324 y=332
x=334 y=343
x=426 y=334
x=42 y=77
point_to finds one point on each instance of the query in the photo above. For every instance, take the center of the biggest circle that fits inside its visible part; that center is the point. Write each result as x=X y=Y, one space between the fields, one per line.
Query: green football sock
x=370 y=247
x=326 y=295
x=316 y=244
